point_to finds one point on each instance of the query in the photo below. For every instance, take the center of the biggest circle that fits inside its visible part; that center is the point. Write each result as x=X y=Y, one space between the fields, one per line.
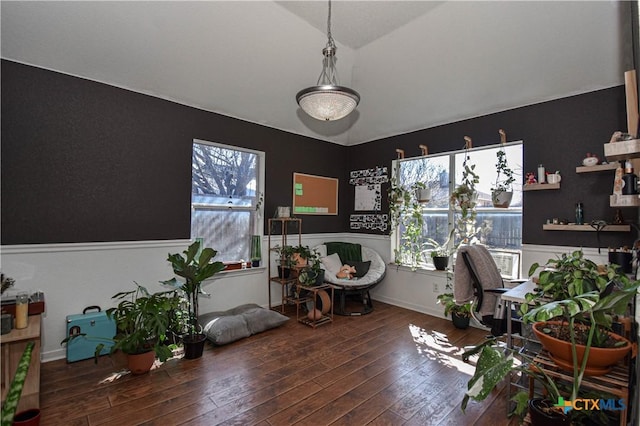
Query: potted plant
x=195 y=266
x=421 y=192
x=494 y=364
x=312 y=274
x=10 y=404
x=501 y=191
x=438 y=252
x=585 y=298
x=142 y=323
x=301 y=255
x=460 y=314
x=284 y=260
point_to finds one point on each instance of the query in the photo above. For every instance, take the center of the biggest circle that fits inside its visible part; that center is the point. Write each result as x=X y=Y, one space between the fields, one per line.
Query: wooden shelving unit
x=281 y=231
x=585 y=228
x=540 y=186
x=597 y=168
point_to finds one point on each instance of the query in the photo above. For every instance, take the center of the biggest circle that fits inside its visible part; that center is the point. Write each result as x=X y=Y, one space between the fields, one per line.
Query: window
x=226 y=195
x=499 y=228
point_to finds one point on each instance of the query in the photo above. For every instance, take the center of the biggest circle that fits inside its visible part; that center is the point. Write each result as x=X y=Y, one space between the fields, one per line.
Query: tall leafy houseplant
x=195 y=266
x=585 y=299
x=575 y=290
x=501 y=191
x=143 y=321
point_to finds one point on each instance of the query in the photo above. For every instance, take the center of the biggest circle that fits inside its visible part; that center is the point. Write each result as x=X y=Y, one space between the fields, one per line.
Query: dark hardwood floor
x=391 y=367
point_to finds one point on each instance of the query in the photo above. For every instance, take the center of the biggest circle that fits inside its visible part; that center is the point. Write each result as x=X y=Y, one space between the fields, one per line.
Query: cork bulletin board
x=315 y=194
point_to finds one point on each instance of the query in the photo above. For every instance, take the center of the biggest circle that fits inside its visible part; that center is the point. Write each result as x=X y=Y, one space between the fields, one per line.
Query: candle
x=22 y=310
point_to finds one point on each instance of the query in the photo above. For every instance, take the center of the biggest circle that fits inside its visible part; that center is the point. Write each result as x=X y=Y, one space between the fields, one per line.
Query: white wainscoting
x=74 y=276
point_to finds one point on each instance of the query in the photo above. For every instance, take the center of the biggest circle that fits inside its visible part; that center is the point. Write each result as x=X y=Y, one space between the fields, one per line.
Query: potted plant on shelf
x=284 y=260
x=195 y=269
x=501 y=191
x=439 y=253
x=460 y=314
x=585 y=298
x=142 y=323
x=312 y=274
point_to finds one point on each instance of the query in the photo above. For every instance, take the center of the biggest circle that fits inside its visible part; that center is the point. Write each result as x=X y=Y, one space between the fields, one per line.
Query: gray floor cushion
x=239 y=322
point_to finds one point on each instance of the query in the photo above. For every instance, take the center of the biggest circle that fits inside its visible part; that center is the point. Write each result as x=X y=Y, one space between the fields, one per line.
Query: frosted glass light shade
x=328 y=102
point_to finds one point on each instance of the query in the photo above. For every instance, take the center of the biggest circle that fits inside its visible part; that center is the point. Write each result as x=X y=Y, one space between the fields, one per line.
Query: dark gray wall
x=83 y=161
x=557 y=134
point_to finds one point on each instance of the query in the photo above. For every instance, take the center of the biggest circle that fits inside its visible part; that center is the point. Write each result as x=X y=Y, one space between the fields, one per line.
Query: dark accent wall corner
x=83 y=161
x=557 y=134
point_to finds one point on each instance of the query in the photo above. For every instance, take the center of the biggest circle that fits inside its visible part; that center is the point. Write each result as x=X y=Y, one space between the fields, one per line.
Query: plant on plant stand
x=438 y=252
x=586 y=299
x=195 y=270
x=312 y=274
x=501 y=191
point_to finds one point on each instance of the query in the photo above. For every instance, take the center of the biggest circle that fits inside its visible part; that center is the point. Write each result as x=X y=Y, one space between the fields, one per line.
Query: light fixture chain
x=330 y=42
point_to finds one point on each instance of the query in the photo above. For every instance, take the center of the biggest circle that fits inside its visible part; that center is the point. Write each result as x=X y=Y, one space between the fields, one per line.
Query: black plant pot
x=320 y=277
x=460 y=321
x=441 y=262
x=542 y=413
x=194 y=346
x=283 y=272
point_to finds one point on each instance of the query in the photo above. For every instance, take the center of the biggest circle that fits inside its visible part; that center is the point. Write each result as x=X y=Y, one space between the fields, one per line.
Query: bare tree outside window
x=224 y=198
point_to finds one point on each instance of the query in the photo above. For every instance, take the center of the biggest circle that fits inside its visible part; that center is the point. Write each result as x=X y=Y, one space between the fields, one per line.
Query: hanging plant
x=464 y=200
x=504 y=180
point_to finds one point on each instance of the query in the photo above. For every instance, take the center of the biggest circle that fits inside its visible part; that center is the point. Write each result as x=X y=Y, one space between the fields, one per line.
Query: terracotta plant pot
x=601 y=360
x=30 y=417
x=141 y=363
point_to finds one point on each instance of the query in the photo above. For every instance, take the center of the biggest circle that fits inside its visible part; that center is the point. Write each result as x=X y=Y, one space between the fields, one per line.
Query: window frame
x=257 y=204
x=395 y=236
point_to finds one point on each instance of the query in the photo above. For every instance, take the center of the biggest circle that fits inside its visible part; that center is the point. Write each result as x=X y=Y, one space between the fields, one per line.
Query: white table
x=515 y=296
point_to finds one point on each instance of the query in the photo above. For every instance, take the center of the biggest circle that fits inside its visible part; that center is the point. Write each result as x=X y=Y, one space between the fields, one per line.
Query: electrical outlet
x=435 y=287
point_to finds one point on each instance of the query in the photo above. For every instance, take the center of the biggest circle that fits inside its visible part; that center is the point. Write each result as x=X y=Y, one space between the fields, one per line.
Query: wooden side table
x=13 y=345
x=312 y=297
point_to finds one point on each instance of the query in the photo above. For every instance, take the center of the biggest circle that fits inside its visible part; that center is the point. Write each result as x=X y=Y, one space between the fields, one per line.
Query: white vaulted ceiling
x=416 y=64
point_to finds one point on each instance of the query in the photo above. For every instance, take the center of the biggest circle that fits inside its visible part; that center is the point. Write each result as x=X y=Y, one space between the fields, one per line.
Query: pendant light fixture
x=327 y=100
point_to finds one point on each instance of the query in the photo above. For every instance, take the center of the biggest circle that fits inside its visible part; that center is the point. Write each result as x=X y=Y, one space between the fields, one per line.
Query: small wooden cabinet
x=13 y=345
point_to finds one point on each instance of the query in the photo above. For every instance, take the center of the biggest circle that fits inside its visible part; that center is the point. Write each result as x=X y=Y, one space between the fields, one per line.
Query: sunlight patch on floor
x=435 y=345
